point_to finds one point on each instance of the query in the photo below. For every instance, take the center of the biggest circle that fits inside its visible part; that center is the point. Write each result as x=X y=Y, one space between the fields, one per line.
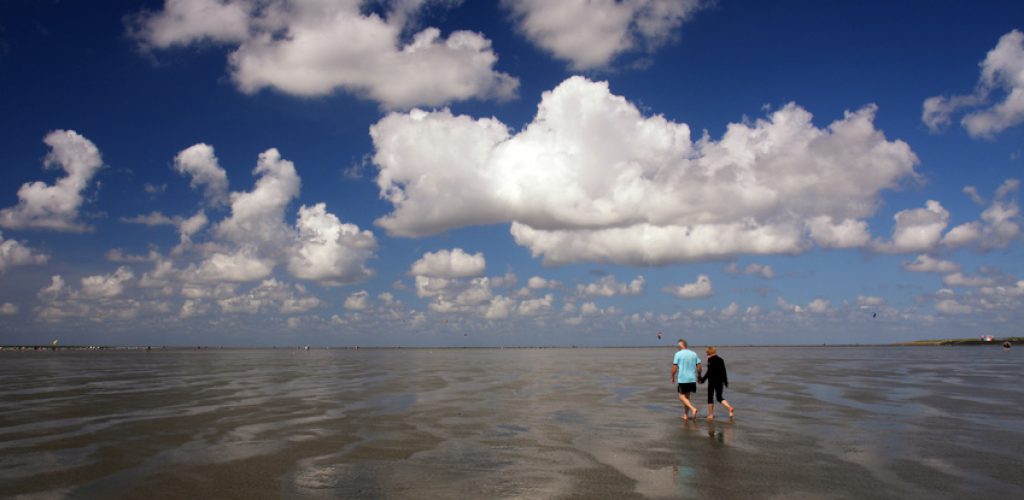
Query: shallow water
x=878 y=422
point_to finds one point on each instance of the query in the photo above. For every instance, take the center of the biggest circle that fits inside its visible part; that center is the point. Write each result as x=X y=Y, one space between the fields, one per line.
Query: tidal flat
x=811 y=422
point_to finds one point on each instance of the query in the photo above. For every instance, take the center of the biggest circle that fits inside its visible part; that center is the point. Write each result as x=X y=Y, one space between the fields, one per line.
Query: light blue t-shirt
x=687 y=362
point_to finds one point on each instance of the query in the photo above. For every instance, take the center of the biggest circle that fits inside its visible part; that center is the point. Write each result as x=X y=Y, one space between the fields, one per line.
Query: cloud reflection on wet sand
x=512 y=423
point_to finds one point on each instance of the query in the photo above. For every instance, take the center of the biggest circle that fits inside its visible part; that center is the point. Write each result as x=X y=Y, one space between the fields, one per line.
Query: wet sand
x=879 y=422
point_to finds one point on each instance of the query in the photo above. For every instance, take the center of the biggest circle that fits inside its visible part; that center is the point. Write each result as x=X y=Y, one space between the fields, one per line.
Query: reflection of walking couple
x=686 y=372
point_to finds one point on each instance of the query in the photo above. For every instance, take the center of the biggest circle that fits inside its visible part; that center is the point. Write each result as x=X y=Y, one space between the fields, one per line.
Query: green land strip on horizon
x=970 y=341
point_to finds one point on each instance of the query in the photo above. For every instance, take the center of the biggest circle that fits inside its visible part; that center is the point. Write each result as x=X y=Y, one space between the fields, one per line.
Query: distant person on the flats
x=685 y=373
x=716 y=377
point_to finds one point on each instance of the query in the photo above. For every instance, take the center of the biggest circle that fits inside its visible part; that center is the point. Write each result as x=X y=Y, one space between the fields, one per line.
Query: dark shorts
x=687 y=387
x=714 y=392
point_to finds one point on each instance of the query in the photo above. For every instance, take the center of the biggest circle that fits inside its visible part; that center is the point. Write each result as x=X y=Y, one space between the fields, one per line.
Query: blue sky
x=274 y=172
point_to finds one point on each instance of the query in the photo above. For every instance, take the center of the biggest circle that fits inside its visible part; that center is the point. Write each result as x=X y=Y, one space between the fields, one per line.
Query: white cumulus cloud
x=455 y=263
x=959 y=279
x=42 y=206
x=869 y=301
x=329 y=250
x=592 y=179
x=533 y=307
x=271 y=296
x=14 y=253
x=107 y=285
x=255 y=237
x=590 y=33
x=200 y=163
x=257 y=216
x=952 y=307
x=818 y=306
x=927 y=264
x=916 y=230
x=608 y=286
x=1002 y=72
x=314 y=47
x=539 y=283
x=358 y=301
x=999 y=225
x=696 y=290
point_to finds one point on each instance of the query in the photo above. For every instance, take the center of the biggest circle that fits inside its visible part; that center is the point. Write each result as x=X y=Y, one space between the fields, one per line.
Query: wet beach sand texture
x=515 y=423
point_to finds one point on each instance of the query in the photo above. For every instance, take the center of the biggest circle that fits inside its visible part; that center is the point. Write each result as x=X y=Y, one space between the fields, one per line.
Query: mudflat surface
x=874 y=422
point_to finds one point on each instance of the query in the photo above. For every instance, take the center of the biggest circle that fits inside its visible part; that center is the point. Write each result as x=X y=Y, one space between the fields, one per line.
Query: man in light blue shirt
x=685 y=373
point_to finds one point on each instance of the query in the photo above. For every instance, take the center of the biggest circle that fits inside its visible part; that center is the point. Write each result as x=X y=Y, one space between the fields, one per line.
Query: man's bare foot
x=710 y=417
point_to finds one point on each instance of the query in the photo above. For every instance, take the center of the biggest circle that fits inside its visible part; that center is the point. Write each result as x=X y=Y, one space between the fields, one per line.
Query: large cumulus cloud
x=312 y=48
x=255 y=238
x=593 y=179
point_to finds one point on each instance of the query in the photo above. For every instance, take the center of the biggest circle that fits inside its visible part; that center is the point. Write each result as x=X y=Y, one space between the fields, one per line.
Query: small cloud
x=533 y=307
x=359 y=169
x=455 y=263
x=959 y=279
x=118 y=255
x=730 y=311
x=200 y=163
x=754 y=269
x=697 y=290
x=927 y=264
x=818 y=306
x=952 y=307
x=152 y=219
x=916 y=230
x=610 y=287
x=154 y=190
x=538 y=283
x=15 y=253
x=869 y=301
x=972 y=192
x=359 y=301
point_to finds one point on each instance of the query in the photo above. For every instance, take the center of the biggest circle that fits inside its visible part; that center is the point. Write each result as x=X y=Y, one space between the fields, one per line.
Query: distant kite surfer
x=1007 y=345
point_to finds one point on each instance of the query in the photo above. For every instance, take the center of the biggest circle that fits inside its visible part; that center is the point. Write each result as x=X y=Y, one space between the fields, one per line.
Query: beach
x=811 y=422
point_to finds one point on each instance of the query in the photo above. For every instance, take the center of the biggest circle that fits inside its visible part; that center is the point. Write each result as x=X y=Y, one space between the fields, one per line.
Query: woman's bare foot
x=684 y=417
x=731 y=412
x=710 y=417
x=694 y=415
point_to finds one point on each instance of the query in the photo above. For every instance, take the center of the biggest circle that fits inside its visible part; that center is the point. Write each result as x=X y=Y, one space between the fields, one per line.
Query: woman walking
x=716 y=378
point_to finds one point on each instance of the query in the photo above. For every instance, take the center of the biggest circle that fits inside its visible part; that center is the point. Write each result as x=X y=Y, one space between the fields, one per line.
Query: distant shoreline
x=959 y=342
x=916 y=343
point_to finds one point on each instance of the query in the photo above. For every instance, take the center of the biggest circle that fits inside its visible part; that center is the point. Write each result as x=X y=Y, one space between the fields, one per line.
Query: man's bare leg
x=690 y=409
